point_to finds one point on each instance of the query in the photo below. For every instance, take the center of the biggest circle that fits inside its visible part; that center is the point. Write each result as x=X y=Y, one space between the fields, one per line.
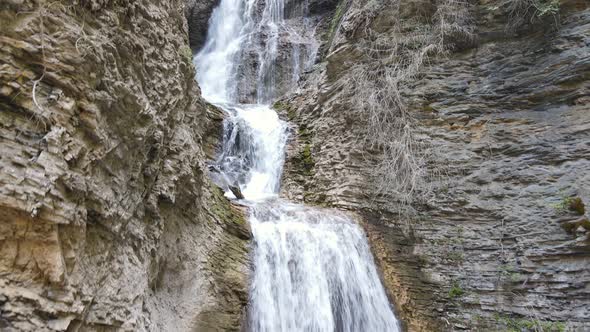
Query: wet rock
x=235 y=189
x=197 y=14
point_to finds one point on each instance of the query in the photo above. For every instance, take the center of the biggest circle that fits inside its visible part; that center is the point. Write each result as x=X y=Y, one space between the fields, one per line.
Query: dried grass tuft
x=390 y=61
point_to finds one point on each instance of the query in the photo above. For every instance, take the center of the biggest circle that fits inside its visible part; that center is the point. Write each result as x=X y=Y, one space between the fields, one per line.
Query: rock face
x=197 y=13
x=108 y=221
x=503 y=118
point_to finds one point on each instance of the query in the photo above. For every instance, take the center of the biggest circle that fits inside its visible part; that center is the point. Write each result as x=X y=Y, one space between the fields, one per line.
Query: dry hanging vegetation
x=521 y=12
x=390 y=60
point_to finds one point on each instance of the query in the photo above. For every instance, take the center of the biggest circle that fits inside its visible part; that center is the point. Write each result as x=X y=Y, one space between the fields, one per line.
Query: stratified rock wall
x=107 y=221
x=494 y=241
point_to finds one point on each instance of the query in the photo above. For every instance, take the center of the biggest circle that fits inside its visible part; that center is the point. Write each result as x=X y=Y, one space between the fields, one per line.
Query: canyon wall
x=493 y=235
x=109 y=222
x=107 y=219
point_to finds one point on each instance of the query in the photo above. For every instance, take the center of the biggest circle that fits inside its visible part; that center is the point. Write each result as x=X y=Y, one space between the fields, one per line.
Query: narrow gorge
x=295 y=165
x=311 y=268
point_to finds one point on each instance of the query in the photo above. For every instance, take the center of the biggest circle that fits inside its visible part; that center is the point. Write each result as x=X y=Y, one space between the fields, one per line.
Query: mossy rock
x=306 y=158
x=572 y=204
x=456 y=291
x=524 y=324
x=336 y=18
x=304 y=133
x=572 y=225
x=186 y=53
x=576 y=204
x=281 y=106
x=291 y=114
x=234 y=220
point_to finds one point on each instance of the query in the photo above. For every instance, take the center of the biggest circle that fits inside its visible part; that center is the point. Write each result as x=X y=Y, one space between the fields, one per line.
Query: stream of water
x=313 y=270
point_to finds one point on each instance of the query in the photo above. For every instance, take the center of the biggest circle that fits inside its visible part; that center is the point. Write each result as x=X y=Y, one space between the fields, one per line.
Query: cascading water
x=313 y=270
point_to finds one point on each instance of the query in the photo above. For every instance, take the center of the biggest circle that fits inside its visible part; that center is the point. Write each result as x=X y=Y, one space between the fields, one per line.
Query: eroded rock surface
x=107 y=219
x=506 y=119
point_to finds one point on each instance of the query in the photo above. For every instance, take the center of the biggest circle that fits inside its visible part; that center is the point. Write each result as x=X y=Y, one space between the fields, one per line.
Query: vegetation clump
x=576 y=204
x=389 y=60
x=546 y=7
x=529 y=325
x=281 y=106
x=306 y=158
x=337 y=17
x=456 y=291
x=573 y=204
x=335 y=22
x=455 y=256
x=523 y=11
x=305 y=154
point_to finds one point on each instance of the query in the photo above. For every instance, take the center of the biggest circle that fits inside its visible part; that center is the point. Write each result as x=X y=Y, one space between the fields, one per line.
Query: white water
x=215 y=63
x=313 y=270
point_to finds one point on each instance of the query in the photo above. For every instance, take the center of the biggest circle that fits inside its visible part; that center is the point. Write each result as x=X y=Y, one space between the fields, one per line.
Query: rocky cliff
x=107 y=219
x=484 y=107
x=457 y=130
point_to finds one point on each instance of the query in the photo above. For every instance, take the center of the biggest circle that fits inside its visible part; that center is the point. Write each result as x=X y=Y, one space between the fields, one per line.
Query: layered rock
x=487 y=241
x=108 y=221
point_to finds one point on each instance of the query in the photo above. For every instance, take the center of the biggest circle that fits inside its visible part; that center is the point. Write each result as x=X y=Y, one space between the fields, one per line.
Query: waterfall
x=216 y=70
x=313 y=270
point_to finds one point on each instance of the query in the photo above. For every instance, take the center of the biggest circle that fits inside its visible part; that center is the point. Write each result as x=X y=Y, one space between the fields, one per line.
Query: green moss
x=304 y=133
x=574 y=204
x=337 y=17
x=220 y=209
x=456 y=291
x=521 y=324
x=305 y=154
x=335 y=22
x=307 y=162
x=279 y=105
x=509 y=273
x=227 y=258
x=291 y=114
x=282 y=106
x=306 y=158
